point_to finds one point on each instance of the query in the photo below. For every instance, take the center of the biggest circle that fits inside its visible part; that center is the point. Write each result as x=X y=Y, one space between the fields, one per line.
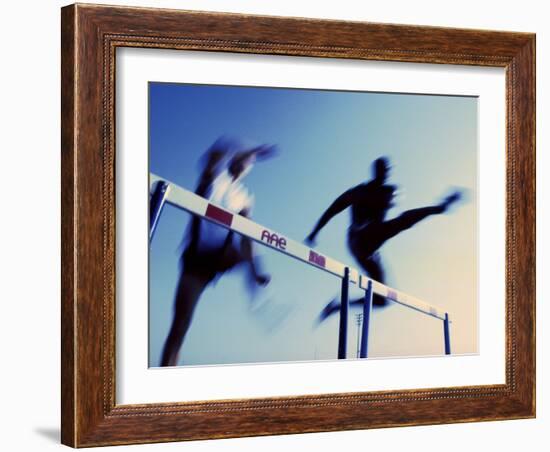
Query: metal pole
x=344 y=301
x=367 y=309
x=358 y=319
x=447 y=333
x=156 y=204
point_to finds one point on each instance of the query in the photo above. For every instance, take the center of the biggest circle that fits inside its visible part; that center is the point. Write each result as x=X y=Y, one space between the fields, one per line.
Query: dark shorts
x=365 y=241
x=211 y=263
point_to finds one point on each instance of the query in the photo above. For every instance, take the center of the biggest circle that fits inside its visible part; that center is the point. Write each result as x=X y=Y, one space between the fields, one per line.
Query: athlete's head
x=381 y=169
x=241 y=164
x=243 y=161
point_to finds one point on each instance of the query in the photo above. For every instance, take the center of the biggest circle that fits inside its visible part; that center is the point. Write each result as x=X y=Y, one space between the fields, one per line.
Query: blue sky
x=327 y=141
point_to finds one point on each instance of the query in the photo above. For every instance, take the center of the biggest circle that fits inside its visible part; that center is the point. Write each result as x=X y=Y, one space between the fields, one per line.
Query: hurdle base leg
x=447 y=334
x=344 y=307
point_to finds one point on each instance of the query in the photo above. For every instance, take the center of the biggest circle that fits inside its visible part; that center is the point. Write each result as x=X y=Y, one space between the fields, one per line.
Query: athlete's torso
x=369 y=202
x=231 y=195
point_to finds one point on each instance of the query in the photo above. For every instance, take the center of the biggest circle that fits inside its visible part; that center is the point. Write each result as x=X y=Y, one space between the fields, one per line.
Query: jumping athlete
x=369 y=229
x=211 y=249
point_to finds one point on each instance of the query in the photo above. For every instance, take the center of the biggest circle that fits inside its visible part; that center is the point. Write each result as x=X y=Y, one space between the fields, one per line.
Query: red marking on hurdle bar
x=219 y=215
x=317 y=259
x=392 y=295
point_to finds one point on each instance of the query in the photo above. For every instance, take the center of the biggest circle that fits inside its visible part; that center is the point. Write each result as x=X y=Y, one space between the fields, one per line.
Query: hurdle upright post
x=344 y=305
x=447 y=334
x=367 y=310
x=156 y=204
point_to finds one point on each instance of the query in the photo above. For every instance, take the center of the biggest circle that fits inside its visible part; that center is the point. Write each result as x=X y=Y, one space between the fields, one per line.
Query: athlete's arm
x=212 y=168
x=341 y=203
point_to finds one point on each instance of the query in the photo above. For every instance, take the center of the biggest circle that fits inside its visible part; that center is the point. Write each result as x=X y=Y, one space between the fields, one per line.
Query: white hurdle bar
x=163 y=191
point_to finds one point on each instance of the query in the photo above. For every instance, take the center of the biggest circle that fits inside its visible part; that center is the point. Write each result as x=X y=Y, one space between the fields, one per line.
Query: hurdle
x=165 y=192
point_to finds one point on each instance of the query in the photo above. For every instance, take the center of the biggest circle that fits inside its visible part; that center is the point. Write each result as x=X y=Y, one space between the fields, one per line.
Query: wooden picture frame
x=90 y=36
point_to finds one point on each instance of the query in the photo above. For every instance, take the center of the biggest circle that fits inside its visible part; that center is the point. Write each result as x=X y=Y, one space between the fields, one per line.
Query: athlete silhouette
x=211 y=249
x=369 y=229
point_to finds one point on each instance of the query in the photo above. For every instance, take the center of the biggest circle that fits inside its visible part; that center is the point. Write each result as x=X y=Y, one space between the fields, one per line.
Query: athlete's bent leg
x=373 y=266
x=189 y=290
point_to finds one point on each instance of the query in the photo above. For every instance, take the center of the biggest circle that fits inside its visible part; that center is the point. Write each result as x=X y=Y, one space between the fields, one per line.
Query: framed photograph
x=281 y=225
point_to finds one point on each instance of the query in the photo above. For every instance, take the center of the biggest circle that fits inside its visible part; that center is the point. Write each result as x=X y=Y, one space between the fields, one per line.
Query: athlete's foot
x=262 y=280
x=328 y=310
x=451 y=199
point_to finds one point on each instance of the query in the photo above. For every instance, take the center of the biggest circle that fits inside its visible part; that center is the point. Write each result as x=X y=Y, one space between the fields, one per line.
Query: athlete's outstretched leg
x=411 y=217
x=189 y=290
x=408 y=219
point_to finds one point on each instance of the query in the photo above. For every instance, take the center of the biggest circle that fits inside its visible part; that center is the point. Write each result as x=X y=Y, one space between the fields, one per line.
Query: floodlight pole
x=344 y=305
x=359 y=320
